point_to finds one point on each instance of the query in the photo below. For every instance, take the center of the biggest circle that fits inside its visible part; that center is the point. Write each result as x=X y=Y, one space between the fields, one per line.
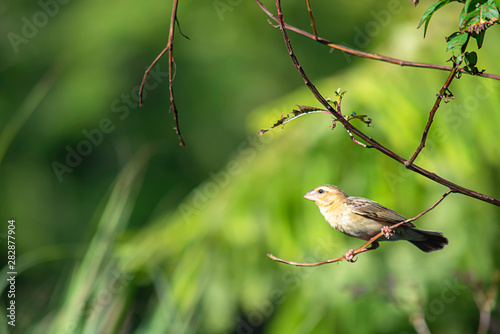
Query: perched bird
x=363 y=218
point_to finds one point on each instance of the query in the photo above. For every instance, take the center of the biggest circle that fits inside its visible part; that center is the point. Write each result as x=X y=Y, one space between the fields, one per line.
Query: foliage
x=476 y=17
x=180 y=247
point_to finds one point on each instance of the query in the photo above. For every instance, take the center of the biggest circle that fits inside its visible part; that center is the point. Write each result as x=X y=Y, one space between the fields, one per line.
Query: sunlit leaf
x=456 y=41
x=478 y=15
x=430 y=11
x=303 y=110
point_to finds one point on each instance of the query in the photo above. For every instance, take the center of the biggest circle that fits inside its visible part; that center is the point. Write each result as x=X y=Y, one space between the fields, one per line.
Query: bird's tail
x=430 y=240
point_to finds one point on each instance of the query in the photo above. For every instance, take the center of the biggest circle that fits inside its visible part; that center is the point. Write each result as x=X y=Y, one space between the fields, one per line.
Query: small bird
x=363 y=218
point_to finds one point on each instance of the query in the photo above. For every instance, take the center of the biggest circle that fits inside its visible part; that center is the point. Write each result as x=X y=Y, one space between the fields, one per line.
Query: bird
x=363 y=219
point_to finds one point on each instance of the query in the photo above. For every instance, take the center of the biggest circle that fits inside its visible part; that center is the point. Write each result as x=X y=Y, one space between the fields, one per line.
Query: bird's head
x=326 y=194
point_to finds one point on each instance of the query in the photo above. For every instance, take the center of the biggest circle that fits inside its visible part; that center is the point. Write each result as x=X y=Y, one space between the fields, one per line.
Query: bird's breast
x=352 y=224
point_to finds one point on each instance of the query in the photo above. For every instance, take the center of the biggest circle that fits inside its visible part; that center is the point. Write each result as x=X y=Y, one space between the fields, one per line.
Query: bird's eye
x=320 y=191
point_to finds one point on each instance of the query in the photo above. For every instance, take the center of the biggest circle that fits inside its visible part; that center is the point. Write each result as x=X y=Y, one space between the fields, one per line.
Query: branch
x=171 y=70
x=454 y=187
x=368 y=55
x=313 y=24
x=351 y=253
x=303 y=110
x=443 y=93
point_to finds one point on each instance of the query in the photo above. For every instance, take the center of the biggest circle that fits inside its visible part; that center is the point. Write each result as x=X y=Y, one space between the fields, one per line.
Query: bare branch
x=443 y=94
x=367 y=55
x=141 y=90
x=171 y=72
x=357 y=141
x=313 y=24
x=432 y=176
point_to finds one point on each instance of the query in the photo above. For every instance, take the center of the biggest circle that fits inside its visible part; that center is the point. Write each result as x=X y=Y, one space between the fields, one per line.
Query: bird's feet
x=387 y=232
x=349 y=256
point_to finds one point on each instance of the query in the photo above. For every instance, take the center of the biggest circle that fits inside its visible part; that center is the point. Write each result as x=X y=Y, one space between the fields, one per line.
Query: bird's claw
x=387 y=232
x=349 y=256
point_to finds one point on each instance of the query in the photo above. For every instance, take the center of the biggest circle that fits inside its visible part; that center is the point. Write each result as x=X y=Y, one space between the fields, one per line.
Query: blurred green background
x=141 y=235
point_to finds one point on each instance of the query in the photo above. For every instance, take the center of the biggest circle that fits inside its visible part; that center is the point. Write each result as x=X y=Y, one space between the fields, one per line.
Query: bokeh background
x=140 y=235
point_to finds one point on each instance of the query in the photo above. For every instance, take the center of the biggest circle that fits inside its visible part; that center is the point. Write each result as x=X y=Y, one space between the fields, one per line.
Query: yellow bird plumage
x=363 y=218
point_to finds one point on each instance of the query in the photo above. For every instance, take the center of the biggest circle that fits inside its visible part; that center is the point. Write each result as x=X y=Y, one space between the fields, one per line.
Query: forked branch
x=171 y=72
x=443 y=94
x=354 y=131
x=368 y=55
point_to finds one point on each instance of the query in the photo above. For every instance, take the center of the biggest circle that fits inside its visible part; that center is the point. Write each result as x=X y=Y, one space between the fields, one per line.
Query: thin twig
x=368 y=55
x=313 y=24
x=141 y=90
x=443 y=92
x=357 y=141
x=304 y=264
x=171 y=72
x=355 y=131
x=350 y=254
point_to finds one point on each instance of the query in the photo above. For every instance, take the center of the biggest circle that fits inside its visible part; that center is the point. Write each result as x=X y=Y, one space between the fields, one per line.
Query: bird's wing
x=371 y=209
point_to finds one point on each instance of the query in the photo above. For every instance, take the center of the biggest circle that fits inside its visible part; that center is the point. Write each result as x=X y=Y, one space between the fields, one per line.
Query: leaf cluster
x=475 y=18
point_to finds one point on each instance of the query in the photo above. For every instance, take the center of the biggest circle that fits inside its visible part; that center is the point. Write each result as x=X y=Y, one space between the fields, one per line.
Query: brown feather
x=372 y=209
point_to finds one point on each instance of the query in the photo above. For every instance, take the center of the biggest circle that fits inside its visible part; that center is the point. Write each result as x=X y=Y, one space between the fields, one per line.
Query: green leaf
x=471 y=58
x=479 y=39
x=430 y=11
x=478 y=15
x=456 y=41
x=363 y=118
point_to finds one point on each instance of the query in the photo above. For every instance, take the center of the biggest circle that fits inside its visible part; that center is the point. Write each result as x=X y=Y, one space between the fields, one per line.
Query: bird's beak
x=311 y=195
